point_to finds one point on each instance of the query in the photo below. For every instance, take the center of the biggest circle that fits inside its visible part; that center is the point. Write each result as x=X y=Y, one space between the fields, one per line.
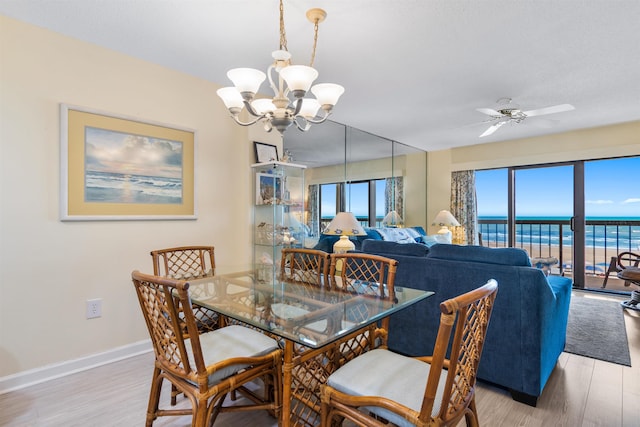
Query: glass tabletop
x=307 y=314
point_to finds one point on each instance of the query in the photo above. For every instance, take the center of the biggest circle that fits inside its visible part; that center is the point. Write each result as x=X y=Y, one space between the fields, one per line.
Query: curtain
x=394 y=195
x=313 y=210
x=464 y=203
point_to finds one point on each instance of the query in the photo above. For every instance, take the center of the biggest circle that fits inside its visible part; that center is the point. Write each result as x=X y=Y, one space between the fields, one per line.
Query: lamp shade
x=231 y=97
x=445 y=219
x=309 y=108
x=299 y=77
x=263 y=105
x=327 y=93
x=345 y=224
x=246 y=79
x=392 y=219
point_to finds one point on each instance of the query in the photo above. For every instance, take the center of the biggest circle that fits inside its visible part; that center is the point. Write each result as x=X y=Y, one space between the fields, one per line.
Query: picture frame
x=269 y=189
x=122 y=168
x=265 y=152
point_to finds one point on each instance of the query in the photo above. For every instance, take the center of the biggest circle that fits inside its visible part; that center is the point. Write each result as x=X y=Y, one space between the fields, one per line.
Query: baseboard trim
x=46 y=373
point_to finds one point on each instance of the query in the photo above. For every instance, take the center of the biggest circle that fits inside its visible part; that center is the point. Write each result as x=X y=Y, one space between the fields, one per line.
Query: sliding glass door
x=583 y=213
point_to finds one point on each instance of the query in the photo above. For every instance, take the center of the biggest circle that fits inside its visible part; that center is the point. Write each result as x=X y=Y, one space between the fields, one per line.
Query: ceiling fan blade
x=488 y=111
x=492 y=129
x=550 y=110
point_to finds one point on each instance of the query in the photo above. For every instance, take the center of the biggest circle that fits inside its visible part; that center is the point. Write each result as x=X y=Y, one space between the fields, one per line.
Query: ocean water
x=104 y=187
x=625 y=237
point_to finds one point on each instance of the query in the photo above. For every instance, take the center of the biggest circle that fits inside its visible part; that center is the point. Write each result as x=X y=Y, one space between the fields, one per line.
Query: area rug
x=596 y=330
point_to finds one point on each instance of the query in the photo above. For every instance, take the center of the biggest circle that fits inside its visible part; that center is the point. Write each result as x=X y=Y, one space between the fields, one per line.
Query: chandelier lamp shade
x=290 y=84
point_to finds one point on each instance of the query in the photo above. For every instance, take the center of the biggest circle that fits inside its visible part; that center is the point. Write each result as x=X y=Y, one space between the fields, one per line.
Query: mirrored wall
x=381 y=181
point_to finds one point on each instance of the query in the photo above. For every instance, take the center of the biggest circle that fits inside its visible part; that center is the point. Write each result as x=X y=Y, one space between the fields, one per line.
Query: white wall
x=49 y=268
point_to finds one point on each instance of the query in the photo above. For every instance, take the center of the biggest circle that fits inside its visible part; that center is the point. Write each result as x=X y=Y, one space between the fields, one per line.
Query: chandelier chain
x=283 y=33
x=315 y=42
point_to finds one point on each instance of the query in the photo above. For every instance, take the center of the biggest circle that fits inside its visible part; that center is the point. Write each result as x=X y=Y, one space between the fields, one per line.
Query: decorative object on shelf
x=444 y=219
x=287 y=157
x=122 y=168
x=268 y=189
x=265 y=152
x=281 y=112
x=344 y=224
x=392 y=219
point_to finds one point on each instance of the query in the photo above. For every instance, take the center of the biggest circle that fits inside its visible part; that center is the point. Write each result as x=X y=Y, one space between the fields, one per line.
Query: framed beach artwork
x=121 y=168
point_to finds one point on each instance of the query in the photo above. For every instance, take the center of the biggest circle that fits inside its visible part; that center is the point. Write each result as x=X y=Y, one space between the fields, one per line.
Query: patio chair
x=208 y=366
x=619 y=263
x=381 y=386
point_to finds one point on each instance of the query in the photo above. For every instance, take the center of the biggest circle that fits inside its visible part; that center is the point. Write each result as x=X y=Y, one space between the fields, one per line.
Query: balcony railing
x=545 y=238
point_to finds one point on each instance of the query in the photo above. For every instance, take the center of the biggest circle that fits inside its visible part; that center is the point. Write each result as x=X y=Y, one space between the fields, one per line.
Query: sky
x=118 y=152
x=611 y=190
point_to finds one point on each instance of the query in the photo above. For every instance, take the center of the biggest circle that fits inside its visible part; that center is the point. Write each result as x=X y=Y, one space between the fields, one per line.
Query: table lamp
x=344 y=224
x=445 y=220
x=392 y=219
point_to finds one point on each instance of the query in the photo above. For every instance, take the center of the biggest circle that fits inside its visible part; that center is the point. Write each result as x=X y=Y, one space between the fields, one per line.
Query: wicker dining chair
x=381 y=386
x=307 y=266
x=189 y=262
x=208 y=366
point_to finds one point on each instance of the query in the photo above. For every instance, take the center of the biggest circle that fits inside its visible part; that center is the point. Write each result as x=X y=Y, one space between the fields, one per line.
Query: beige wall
x=49 y=268
x=410 y=166
x=596 y=143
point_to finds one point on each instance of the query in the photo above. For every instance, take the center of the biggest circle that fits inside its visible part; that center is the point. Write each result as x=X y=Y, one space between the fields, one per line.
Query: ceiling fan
x=508 y=112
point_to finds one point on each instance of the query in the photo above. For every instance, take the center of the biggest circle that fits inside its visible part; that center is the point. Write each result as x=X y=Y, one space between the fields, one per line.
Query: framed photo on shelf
x=121 y=168
x=265 y=152
x=269 y=189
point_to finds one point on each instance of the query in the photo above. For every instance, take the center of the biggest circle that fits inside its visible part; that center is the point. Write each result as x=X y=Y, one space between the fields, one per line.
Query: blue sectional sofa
x=528 y=326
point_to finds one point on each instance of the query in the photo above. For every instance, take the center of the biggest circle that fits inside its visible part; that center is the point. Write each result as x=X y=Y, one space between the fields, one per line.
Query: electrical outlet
x=94 y=308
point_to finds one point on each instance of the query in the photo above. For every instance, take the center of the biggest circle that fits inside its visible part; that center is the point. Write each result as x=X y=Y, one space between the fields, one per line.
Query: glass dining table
x=318 y=328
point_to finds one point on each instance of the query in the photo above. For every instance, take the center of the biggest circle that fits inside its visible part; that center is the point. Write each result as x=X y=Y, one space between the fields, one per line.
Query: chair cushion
x=229 y=342
x=398 y=378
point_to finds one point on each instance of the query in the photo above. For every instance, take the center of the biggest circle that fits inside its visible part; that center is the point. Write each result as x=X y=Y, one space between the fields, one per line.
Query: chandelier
x=290 y=84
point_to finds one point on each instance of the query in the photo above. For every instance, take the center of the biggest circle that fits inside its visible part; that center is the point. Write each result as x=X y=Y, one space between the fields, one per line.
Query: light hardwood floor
x=580 y=392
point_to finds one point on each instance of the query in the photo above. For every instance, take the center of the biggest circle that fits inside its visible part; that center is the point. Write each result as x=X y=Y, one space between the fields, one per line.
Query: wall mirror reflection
x=382 y=182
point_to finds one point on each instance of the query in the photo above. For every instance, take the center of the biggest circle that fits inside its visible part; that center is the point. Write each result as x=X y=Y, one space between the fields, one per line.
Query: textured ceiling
x=414 y=70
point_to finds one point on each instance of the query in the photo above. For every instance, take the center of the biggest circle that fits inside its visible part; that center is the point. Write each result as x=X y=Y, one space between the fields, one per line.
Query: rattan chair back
x=185 y=262
x=179 y=356
x=364 y=274
x=307 y=266
x=463 y=326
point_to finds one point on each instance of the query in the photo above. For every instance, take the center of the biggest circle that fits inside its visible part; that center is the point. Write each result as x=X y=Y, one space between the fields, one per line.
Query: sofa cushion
x=394 y=248
x=499 y=256
x=400 y=235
